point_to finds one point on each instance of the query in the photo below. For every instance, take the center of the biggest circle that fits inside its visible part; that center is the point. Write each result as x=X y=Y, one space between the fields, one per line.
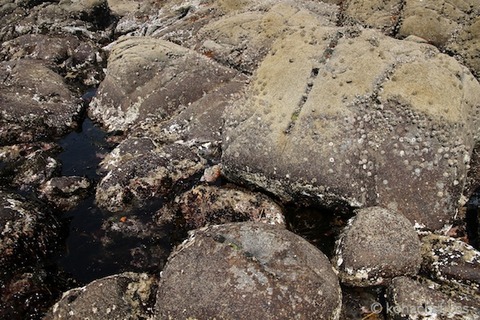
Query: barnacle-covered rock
x=247 y=270
x=377 y=246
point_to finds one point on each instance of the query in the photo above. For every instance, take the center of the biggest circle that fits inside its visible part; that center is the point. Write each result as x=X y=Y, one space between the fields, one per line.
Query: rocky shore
x=261 y=159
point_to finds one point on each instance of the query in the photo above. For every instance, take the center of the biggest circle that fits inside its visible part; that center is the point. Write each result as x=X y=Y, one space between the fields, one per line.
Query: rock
x=449 y=25
x=450 y=260
x=410 y=299
x=65 y=192
x=29 y=233
x=351 y=116
x=247 y=270
x=75 y=59
x=122 y=296
x=135 y=240
x=151 y=78
x=26 y=166
x=209 y=205
x=31 y=109
x=139 y=169
x=368 y=254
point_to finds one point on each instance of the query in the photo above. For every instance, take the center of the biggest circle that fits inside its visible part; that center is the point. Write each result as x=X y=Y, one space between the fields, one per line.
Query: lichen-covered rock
x=450 y=25
x=139 y=169
x=65 y=192
x=369 y=253
x=410 y=299
x=450 y=260
x=208 y=205
x=122 y=296
x=35 y=103
x=151 y=78
x=352 y=116
x=247 y=270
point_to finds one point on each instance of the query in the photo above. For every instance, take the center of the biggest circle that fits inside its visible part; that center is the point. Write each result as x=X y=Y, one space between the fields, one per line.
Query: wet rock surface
x=293 y=113
x=257 y=269
x=367 y=253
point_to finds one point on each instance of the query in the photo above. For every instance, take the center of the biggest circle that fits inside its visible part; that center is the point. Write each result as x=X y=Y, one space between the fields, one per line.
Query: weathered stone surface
x=451 y=25
x=208 y=205
x=29 y=232
x=450 y=260
x=65 y=192
x=26 y=166
x=367 y=253
x=123 y=296
x=247 y=270
x=151 y=78
x=34 y=103
x=352 y=116
x=77 y=60
x=410 y=299
x=139 y=169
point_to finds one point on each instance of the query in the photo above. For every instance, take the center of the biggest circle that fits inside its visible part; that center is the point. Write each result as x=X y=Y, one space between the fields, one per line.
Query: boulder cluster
x=235 y=129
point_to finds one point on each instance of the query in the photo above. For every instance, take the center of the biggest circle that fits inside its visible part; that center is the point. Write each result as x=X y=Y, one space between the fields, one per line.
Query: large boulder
x=151 y=78
x=348 y=115
x=35 y=102
x=246 y=271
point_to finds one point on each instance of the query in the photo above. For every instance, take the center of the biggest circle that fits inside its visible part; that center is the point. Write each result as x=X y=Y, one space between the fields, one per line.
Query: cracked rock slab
x=246 y=271
x=368 y=254
x=348 y=115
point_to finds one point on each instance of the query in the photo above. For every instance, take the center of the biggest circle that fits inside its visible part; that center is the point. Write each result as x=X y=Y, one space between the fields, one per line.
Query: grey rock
x=352 y=116
x=209 y=205
x=450 y=260
x=369 y=253
x=34 y=103
x=65 y=192
x=122 y=296
x=139 y=169
x=410 y=299
x=247 y=270
x=148 y=78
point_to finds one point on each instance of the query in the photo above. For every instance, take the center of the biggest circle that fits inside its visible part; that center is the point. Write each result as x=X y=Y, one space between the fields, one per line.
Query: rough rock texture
x=65 y=192
x=352 y=116
x=152 y=78
x=34 y=102
x=28 y=234
x=208 y=205
x=26 y=166
x=369 y=253
x=139 y=169
x=449 y=25
x=450 y=260
x=123 y=296
x=247 y=270
x=410 y=299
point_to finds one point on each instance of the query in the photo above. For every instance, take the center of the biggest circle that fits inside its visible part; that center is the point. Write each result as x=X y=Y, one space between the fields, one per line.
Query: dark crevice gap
x=318 y=225
x=472 y=220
